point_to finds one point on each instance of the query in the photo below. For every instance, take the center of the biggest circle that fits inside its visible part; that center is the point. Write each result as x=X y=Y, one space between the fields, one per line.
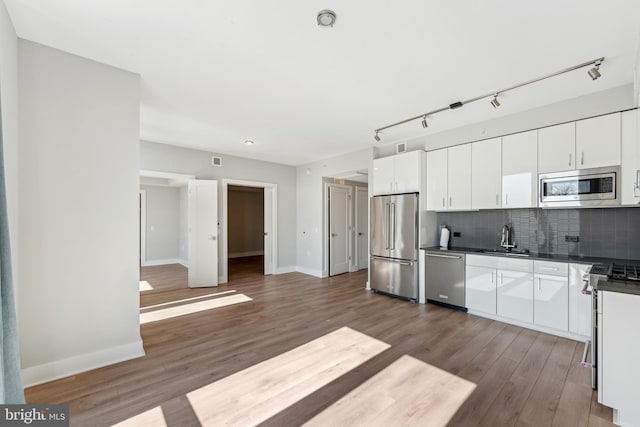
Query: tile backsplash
x=610 y=233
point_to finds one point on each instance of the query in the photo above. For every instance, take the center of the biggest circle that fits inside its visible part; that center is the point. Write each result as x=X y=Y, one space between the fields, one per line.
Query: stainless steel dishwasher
x=444 y=278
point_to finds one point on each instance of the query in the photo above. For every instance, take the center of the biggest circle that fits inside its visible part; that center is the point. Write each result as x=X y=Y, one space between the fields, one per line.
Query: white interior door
x=362 y=229
x=268 y=206
x=339 y=214
x=203 y=233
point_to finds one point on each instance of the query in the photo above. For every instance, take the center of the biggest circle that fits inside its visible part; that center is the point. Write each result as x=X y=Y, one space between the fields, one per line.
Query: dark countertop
x=534 y=256
x=622 y=286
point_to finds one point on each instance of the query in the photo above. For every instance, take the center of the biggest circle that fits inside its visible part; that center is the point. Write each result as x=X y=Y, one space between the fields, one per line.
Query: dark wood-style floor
x=293 y=349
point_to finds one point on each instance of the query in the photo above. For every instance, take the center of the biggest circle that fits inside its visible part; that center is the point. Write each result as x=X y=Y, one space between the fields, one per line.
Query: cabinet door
x=579 y=303
x=598 y=141
x=459 y=177
x=481 y=289
x=407 y=172
x=557 y=148
x=486 y=174
x=551 y=301
x=383 y=175
x=437 y=180
x=520 y=170
x=515 y=295
x=630 y=151
x=620 y=346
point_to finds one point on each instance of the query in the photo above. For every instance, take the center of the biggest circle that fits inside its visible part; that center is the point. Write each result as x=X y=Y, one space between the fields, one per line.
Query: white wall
x=168 y=158
x=79 y=280
x=9 y=109
x=607 y=101
x=309 y=206
x=162 y=224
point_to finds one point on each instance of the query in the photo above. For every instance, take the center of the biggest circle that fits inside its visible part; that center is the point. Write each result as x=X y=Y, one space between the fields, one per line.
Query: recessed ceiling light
x=248 y=142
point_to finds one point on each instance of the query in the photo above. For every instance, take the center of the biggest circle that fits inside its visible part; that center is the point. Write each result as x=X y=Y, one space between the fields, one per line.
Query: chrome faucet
x=506 y=240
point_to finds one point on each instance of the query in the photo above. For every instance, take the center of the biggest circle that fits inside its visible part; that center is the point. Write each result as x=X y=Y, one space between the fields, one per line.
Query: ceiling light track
x=594 y=73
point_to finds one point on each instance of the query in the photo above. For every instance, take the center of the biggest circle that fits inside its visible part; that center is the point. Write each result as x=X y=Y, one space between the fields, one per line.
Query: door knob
x=266 y=234
x=334 y=235
x=360 y=234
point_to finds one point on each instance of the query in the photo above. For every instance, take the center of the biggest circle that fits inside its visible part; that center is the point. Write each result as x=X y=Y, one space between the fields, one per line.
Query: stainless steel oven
x=584 y=187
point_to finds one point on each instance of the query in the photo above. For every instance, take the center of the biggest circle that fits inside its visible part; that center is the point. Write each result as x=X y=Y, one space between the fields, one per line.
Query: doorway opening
x=249 y=218
x=163 y=231
x=245 y=212
x=346 y=223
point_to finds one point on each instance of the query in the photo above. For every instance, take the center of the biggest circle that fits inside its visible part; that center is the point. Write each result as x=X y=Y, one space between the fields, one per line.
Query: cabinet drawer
x=482 y=261
x=551 y=268
x=501 y=262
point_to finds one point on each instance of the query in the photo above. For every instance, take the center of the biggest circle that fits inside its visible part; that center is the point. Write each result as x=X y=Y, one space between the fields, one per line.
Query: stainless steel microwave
x=598 y=187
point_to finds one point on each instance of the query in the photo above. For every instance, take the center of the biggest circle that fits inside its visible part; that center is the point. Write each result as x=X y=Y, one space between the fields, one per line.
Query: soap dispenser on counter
x=445 y=233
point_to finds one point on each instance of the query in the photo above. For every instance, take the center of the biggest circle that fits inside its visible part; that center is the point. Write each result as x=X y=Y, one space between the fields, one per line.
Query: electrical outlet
x=457 y=234
x=573 y=239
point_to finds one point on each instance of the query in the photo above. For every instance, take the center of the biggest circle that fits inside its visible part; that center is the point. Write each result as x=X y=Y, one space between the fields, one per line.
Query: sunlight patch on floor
x=259 y=392
x=194 y=307
x=153 y=417
x=407 y=392
x=145 y=286
x=180 y=301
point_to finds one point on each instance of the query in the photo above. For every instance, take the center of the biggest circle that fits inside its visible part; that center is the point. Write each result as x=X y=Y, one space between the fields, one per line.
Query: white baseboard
x=284 y=270
x=244 y=254
x=84 y=362
x=310 y=272
x=184 y=263
x=153 y=262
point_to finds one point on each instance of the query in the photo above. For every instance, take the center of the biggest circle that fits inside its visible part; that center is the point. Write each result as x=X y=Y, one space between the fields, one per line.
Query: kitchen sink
x=503 y=252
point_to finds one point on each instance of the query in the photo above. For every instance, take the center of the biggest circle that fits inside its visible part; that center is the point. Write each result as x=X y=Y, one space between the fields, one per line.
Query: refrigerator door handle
x=386 y=223
x=394 y=261
x=393 y=224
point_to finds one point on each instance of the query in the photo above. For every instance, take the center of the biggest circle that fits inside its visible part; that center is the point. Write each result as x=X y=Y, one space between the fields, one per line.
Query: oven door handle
x=584 y=362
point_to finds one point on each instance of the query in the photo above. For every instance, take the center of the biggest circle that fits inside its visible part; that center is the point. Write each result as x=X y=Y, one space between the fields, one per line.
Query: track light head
x=377 y=137
x=594 y=73
x=424 y=122
x=495 y=101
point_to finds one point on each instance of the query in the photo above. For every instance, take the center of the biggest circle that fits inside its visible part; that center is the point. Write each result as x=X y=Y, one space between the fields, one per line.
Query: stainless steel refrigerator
x=394 y=245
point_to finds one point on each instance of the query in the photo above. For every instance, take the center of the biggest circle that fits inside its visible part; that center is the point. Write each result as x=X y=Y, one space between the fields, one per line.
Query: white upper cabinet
x=407 y=171
x=630 y=165
x=598 y=141
x=383 y=175
x=449 y=178
x=486 y=174
x=557 y=148
x=459 y=177
x=397 y=174
x=437 y=180
x=520 y=170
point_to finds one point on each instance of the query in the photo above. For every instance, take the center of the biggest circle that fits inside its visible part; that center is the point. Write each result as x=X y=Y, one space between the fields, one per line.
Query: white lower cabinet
x=545 y=294
x=551 y=301
x=551 y=295
x=481 y=289
x=515 y=295
x=618 y=350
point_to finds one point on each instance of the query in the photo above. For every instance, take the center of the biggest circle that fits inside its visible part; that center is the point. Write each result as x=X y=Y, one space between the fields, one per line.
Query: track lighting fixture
x=594 y=73
x=495 y=101
x=377 y=137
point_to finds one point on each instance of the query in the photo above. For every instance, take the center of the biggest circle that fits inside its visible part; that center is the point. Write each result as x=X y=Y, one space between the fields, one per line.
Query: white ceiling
x=215 y=73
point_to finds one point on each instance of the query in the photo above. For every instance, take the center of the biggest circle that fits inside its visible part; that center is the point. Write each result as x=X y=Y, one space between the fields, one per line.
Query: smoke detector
x=326 y=18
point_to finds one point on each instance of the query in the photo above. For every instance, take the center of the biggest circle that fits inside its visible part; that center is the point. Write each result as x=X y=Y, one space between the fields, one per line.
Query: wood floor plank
x=542 y=403
x=196 y=351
